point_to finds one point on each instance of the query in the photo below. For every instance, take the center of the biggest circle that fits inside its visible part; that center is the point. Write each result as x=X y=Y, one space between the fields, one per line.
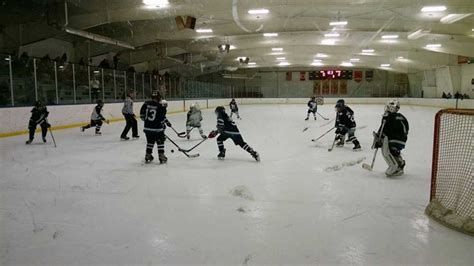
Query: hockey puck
x=172 y=151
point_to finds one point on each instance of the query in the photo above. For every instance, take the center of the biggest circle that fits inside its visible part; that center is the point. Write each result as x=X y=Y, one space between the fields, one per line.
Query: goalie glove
x=213 y=134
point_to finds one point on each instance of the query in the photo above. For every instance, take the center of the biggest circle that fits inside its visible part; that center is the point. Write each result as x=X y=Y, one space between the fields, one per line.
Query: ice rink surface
x=92 y=201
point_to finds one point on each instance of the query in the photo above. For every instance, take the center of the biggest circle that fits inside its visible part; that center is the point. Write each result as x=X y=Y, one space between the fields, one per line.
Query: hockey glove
x=213 y=134
x=168 y=123
x=107 y=121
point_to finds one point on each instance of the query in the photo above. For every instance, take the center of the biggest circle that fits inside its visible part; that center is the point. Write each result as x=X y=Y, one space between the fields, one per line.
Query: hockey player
x=39 y=115
x=345 y=124
x=131 y=121
x=193 y=120
x=153 y=113
x=312 y=108
x=234 y=108
x=391 y=137
x=227 y=129
x=96 y=118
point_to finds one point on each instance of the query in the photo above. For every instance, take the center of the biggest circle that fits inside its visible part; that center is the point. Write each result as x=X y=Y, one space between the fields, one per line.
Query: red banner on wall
x=357 y=75
x=302 y=76
x=289 y=76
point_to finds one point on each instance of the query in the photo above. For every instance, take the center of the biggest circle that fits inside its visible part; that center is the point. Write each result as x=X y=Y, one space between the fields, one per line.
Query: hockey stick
x=181 y=150
x=323 y=134
x=371 y=166
x=334 y=142
x=180 y=134
x=325 y=118
x=52 y=136
x=195 y=146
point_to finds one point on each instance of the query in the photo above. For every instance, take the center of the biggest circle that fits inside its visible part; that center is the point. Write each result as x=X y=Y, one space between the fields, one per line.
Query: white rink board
x=16 y=119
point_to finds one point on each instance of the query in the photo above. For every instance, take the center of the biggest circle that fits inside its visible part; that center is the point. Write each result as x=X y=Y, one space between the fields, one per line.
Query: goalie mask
x=392 y=106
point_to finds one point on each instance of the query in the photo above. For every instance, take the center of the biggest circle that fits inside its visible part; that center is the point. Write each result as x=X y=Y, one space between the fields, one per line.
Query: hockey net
x=452 y=177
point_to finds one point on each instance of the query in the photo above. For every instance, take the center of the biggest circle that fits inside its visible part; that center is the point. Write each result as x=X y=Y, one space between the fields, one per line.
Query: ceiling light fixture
x=368 y=50
x=204 y=30
x=281 y=58
x=317 y=60
x=270 y=34
x=451 y=18
x=321 y=55
x=433 y=9
x=400 y=58
x=394 y=36
x=346 y=64
x=433 y=45
x=354 y=59
x=332 y=34
x=337 y=23
x=252 y=63
x=317 y=64
x=258 y=11
x=384 y=65
x=277 y=49
x=283 y=64
x=156 y=3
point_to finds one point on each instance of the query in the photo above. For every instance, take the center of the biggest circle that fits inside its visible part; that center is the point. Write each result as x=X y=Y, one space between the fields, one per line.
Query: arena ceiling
x=398 y=31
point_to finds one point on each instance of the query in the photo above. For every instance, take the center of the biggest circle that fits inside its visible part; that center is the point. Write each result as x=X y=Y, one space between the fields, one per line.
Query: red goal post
x=452 y=174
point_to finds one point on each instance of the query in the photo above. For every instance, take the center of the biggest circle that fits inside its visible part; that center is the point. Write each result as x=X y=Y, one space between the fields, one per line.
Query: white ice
x=92 y=201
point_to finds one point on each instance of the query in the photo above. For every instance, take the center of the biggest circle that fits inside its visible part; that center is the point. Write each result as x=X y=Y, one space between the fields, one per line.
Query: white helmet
x=392 y=106
x=194 y=106
x=164 y=103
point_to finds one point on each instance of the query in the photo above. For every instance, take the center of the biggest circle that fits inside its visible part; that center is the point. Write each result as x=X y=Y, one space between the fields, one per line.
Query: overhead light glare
x=328 y=42
x=317 y=64
x=337 y=23
x=274 y=34
x=277 y=49
x=354 y=59
x=368 y=50
x=433 y=9
x=385 y=65
x=331 y=35
x=156 y=3
x=347 y=64
x=204 y=30
x=390 y=36
x=281 y=58
x=320 y=55
x=433 y=45
x=400 y=58
x=418 y=34
x=317 y=60
x=258 y=11
x=451 y=18
x=283 y=64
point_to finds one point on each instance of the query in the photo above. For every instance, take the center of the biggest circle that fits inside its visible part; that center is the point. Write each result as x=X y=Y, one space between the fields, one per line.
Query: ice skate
x=136 y=137
x=98 y=133
x=397 y=172
x=148 y=158
x=221 y=155
x=82 y=129
x=124 y=138
x=357 y=146
x=255 y=155
x=28 y=141
x=306 y=119
x=44 y=139
x=162 y=157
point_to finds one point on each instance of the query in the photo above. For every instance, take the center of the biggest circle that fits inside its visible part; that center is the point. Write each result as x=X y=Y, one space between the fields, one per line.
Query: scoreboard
x=330 y=74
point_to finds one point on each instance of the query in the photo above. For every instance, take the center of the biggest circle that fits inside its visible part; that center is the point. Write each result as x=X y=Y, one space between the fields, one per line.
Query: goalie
x=391 y=137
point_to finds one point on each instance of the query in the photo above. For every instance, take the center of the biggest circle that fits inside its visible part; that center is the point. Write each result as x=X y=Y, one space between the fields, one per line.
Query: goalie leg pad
x=389 y=158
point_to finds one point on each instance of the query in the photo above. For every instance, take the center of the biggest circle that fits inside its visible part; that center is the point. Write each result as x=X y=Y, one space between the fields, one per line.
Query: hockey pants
x=155 y=137
x=32 y=128
x=131 y=123
x=96 y=123
x=237 y=139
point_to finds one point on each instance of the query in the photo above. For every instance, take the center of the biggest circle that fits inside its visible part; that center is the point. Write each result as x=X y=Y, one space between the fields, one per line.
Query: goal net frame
x=452 y=196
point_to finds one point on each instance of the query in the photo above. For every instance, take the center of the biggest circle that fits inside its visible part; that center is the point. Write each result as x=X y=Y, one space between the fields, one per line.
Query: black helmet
x=100 y=102
x=38 y=104
x=156 y=96
x=219 y=110
x=340 y=103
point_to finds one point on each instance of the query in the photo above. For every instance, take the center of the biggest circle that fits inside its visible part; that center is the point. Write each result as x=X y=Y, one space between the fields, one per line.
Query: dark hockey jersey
x=313 y=106
x=395 y=128
x=345 y=118
x=226 y=125
x=154 y=115
x=39 y=115
x=97 y=113
x=233 y=106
